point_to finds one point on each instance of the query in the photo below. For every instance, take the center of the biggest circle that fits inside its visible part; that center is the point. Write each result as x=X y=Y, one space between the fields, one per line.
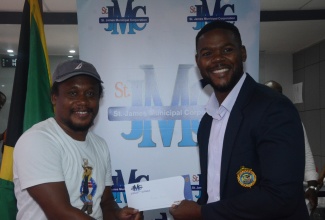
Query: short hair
x=218 y=25
x=274 y=85
x=55 y=88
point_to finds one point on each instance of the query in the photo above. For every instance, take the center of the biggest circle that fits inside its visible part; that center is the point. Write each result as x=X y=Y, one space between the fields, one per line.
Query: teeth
x=81 y=113
x=220 y=71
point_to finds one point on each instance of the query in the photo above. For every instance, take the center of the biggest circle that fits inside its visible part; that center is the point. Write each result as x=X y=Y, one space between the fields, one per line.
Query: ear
x=53 y=99
x=243 y=53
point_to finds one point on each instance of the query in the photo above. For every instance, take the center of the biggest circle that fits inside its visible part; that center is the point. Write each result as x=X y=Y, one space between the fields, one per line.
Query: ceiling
x=288 y=34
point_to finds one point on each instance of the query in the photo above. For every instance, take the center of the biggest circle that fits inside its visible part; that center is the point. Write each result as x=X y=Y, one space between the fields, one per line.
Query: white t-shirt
x=45 y=153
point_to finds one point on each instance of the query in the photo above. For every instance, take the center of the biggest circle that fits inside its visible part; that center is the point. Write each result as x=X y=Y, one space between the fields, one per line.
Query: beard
x=79 y=127
x=229 y=85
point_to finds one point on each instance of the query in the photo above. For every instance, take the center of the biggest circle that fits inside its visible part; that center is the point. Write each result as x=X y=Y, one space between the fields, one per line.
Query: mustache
x=88 y=110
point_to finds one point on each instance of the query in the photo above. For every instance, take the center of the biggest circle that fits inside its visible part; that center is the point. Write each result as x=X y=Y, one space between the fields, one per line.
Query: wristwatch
x=312 y=187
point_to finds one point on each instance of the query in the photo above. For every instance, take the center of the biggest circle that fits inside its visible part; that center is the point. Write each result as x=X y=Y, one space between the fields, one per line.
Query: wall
x=309 y=68
x=306 y=66
x=277 y=67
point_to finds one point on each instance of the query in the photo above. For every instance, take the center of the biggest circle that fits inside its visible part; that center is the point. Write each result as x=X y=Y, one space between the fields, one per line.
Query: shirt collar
x=213 y=109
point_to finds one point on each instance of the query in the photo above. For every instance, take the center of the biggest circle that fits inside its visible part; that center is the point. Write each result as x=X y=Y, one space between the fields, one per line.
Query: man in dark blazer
x=251 y=141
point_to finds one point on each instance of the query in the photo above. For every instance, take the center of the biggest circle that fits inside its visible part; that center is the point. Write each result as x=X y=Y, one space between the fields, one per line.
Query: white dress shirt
x=220 y=115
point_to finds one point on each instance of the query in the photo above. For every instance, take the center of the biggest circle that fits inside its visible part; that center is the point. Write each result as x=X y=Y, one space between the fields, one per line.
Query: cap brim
x=68 y=76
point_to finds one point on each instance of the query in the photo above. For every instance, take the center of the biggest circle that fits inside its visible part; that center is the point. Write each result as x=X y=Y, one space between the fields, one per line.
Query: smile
x=83 y=113
x=221 y=70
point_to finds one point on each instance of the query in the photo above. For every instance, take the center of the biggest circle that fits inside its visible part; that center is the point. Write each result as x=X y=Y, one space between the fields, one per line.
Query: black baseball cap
x=70 y=68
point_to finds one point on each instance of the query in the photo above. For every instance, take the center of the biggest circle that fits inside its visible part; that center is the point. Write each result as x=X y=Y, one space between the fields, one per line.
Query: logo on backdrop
x=116 y=23
x=148 y=107
x=203 y=15
x=196 y=187
x=118 y=187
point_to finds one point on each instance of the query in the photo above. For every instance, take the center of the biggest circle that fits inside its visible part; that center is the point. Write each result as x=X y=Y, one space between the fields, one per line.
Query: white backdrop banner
x=144 y=51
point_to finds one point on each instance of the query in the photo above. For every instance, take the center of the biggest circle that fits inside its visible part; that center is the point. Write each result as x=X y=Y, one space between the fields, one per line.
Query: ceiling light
x=70 y=56
x=10 y=51
x=72 y=51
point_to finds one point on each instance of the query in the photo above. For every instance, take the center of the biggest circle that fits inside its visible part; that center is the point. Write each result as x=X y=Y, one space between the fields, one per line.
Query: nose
x=83 y=99
x=217 y=56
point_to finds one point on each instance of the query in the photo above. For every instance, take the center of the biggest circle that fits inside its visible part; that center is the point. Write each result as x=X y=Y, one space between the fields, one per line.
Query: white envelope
x=156 y=194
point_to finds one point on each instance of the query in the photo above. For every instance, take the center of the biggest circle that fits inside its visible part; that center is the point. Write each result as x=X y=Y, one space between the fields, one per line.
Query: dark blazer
x=264 y=133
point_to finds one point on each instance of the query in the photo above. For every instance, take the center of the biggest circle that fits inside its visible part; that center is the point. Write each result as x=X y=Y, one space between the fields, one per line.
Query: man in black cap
x=49 y=157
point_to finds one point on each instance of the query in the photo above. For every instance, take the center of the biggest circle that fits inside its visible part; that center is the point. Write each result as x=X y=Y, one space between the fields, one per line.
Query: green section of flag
x=38 y=103
x=8 y=208
x=30 y=102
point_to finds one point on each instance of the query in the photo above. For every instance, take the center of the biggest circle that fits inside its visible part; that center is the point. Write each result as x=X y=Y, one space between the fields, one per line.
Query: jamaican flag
x=30 y=102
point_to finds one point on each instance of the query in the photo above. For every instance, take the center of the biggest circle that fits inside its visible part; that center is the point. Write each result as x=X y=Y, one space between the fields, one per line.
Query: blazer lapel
x=234 y=123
